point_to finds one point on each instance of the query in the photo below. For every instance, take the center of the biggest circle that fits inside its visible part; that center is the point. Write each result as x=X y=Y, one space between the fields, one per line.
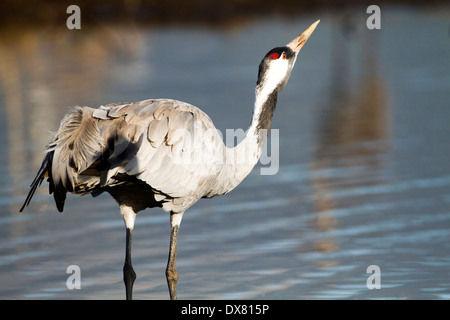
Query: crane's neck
x=240 y=160
x=250 y=149
x=265 y=104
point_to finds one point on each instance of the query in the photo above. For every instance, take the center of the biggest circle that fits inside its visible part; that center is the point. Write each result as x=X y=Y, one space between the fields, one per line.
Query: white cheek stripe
x=274 y=76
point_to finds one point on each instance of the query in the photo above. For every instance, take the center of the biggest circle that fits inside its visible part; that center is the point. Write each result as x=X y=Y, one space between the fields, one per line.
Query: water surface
x=364 y=176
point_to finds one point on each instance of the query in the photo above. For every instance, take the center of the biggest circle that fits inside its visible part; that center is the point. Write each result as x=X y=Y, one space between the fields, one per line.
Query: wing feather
x=157 y=131
x=170 y=145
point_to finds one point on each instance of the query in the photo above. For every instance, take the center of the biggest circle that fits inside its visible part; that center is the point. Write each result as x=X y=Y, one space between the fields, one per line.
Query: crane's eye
x=274 y=55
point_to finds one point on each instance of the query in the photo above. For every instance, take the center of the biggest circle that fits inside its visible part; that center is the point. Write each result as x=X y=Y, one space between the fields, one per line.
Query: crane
x=159 y=153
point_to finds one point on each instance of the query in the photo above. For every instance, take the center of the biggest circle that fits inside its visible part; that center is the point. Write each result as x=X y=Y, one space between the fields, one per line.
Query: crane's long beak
x=298 y=42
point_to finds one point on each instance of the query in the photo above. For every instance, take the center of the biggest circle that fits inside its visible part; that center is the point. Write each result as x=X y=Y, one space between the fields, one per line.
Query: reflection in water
x=36 y=69
x=258 y=242
x=50 y=69
x=353 y=128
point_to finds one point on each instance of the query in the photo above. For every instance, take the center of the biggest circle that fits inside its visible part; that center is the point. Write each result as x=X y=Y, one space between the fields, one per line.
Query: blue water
x=364 y=176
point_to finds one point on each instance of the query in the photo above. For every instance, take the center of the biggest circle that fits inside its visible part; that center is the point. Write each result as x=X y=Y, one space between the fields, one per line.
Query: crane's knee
x=172 y=276
x=128 y=273
x=172 y=279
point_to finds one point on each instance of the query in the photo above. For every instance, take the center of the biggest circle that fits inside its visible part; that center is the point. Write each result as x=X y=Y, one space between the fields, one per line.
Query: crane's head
x=276 y=67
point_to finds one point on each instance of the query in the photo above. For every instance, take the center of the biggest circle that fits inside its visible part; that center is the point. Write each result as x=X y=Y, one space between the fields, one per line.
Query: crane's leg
x=128 y=272
x=171 y=270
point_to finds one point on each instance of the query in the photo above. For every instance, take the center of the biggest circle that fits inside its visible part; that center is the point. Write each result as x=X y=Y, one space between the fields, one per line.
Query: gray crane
x=159 y=153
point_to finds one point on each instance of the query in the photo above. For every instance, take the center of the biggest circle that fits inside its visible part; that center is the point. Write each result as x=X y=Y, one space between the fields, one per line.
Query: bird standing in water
x=159 y=153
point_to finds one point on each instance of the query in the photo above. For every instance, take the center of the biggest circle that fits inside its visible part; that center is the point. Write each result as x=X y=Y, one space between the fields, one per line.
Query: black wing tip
x=22 y=208
x=46 y=164
x=60 y=206
x=37 y=181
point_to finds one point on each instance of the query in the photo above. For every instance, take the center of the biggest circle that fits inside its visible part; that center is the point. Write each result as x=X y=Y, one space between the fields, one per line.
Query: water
x=364 y=175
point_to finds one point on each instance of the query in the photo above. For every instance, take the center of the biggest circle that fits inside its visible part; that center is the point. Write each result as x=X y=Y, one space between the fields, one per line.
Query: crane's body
x=159 y=153
x=148 y=145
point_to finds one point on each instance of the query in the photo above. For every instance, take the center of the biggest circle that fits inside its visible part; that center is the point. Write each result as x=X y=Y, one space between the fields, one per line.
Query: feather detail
x=78 y=139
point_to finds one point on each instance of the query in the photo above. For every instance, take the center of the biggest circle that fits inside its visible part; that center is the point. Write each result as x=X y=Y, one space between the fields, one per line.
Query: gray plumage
x=149 y=142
